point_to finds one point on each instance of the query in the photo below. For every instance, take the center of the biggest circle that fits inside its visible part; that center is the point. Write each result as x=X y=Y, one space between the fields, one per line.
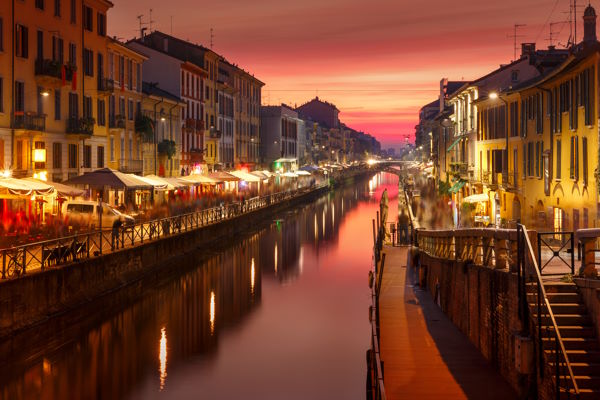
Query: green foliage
x=168 y=148
x=144 y=126
x=443 y=188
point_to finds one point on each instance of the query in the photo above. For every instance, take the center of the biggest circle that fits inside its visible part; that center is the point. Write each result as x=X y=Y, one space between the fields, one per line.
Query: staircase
x=579 y=338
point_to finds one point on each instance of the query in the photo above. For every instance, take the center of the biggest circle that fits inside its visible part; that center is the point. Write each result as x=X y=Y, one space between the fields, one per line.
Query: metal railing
x=20 y=260
x=131 y=166
x=375 y=382
x=30 y=121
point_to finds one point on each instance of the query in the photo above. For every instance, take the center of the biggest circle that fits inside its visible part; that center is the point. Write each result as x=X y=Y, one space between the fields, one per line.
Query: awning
x=196 y=180
x=260 y=174
x=245 y=176
x=61 y=188
x=267 y=173
x=457 y=186
x=156 y=182
x=476 y=198
x=289 y=175
x=223 y=176
x=302 y=173
x=309 y=168
x=177 y=183
x=24 y=187
x=454 y=143
x=107 y=177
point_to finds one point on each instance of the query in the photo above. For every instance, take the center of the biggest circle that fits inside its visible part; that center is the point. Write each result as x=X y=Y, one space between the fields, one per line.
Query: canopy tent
x=285 y=160
x=457 y=186
x=196 y=180
x=260 y=174
x=156 y=182
x=289 y=175
x=428 y=170
x=61 y=188
x=302 y=173
x=25 y=187
x=268 y=174
x=223 y=176
x=176 y=183
x=245 y=176
x=476 y=198
x=107 y=177
x=309 y=168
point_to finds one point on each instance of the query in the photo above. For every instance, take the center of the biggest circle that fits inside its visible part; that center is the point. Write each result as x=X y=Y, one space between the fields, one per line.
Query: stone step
x=585 y=381
x=560 y=287
x=564 y=308
x=581 y=368
x=565 y=319
x=576 y=356
x=584 y=394
x=582 y=331
x=576 y=343
x=563 y=298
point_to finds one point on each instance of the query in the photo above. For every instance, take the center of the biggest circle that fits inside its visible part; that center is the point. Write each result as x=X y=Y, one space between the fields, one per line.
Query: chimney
x=527 y=49
x=589 y=24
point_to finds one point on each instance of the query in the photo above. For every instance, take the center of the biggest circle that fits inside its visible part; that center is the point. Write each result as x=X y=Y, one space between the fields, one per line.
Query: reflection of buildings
x=170 y=324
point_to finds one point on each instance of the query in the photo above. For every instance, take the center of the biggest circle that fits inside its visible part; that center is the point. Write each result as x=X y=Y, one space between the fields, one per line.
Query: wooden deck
x=425 y=356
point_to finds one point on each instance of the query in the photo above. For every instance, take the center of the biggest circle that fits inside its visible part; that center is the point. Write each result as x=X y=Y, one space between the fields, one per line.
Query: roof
x=111 y=178
x=152 y=89
x=454 y=86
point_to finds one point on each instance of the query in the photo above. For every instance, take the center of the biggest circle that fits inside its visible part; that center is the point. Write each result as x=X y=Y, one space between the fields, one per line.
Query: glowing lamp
x=39 y=155
x=6 y=173
x=45 y=93
x=493 y=95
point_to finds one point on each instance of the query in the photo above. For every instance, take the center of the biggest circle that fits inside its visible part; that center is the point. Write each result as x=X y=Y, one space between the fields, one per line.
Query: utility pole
x=514 y=36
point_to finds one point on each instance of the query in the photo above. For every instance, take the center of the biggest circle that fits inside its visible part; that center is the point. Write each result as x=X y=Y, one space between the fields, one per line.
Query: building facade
x=279 y=133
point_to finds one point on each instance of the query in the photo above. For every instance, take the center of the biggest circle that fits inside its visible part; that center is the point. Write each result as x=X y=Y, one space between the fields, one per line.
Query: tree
x=168 y=148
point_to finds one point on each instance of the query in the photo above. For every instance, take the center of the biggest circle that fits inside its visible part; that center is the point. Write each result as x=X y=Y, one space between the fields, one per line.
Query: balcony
x=81 y=126
x=54 y=69
x=30 y=121
x=214 y=133
x=106 y=85
x=116 y=121
x=131 y=166
x=511 y=180
x=193 y=125
x=196 y=155
x=490 y=178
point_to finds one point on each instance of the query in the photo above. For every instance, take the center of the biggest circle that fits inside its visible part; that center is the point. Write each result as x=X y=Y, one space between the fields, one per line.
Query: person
x=116 y=228
x=403 y=227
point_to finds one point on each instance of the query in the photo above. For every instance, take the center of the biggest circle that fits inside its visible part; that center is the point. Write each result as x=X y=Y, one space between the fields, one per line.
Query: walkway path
x=425 y=356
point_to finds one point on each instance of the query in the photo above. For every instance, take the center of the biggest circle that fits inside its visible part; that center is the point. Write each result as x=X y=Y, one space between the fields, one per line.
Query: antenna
x=553 y=32
x=171 y=25
x=212 y=38
x=139 y=17
x=150 y=22
x=514 y=36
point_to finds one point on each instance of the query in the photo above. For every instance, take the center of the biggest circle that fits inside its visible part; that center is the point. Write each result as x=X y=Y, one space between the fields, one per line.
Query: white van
x=86 y=213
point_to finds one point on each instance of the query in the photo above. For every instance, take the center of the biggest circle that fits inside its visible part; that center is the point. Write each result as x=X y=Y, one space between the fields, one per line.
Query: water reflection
x=110 y=351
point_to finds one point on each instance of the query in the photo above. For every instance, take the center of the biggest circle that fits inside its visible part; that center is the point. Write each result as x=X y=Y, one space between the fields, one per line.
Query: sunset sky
x=379 y=61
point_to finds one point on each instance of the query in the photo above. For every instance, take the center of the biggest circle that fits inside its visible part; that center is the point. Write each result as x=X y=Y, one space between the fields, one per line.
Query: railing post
x=539 y=324
x=556 y=366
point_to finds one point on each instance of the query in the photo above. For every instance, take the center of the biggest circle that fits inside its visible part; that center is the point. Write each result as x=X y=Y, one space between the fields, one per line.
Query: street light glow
x=493 y=95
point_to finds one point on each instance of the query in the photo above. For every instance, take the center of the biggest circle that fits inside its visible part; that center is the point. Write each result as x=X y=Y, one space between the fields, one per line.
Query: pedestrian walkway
x=425 y=356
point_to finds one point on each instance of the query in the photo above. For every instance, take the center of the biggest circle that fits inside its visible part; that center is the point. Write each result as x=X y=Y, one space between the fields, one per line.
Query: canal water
x=279 y=313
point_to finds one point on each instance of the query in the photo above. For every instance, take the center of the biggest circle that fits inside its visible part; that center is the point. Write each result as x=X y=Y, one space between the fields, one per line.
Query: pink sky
x=378 y=61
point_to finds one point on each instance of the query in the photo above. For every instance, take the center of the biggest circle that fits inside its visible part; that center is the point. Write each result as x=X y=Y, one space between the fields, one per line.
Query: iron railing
x=22 y=259
x=556 y=249
x=30 y=121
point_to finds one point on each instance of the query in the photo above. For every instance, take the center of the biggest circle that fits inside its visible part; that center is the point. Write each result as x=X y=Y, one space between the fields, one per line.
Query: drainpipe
x=171 y=134
x=552 y=127
x=154 y=136
x=12 y=74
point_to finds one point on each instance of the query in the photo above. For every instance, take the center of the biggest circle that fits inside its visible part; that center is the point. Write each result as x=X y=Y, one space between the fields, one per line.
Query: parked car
x=86 y=213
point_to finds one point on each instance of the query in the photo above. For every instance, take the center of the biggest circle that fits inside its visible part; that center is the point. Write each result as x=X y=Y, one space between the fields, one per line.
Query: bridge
x=483 y=313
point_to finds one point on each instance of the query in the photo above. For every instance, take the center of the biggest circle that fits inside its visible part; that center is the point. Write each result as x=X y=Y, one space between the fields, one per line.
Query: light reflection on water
x=291 y=326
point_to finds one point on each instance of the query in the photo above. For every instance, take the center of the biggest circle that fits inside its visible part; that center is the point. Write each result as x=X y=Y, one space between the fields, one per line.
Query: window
x=40 y=146
x=122 y=148
x=1 y=95
x=121 y=70
x=88 y=62
x=39 y=4
x=100 y=156
x=72 y=54
x=130 y=109
x=558 y=160
x=101 y=113
x=21 y=41
x=138 y=76
x=87 y=107
x=129 y=75
x=87 y=156
x=530 y=159
x=72 y=156
x=88 y=18
x=585 y=160
x=73 y=105
x=57 y=49
x=56 y=155
x=122 y=107
x=112 y=148
x=101 y=24
x=19 y=97
x=574 y=159
x=73 y=11
x=57 y=8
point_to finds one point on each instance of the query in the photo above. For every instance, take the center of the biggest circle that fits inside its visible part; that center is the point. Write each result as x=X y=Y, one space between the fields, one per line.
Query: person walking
x=403 y=223
x=383 y=211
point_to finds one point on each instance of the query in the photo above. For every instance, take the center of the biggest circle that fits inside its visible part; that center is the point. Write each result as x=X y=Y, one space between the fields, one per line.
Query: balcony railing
x=54 y=69
x=116 y=121
x=81 y=126
x=106 y=85
x=30 y=121
x=131 y=166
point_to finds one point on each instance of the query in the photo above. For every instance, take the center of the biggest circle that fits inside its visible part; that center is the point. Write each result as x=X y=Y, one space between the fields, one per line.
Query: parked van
x=86 y=213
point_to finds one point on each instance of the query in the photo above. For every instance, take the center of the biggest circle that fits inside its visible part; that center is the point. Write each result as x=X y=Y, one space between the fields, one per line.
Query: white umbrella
x=476 y=198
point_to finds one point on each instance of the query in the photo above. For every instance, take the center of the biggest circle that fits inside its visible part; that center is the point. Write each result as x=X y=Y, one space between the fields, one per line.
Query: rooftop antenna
x=212 y=38
x=553 y=32
x=150 y=22
x=139 y=17
x=171 y=25
x=514 y=36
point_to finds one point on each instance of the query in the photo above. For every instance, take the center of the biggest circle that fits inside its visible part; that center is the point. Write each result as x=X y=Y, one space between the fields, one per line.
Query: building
x=279 y=133
x=161 y=112
x=52 y=115
x=322 y=112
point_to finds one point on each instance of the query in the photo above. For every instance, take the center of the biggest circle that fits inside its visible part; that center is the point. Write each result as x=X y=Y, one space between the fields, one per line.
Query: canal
x=281 y=312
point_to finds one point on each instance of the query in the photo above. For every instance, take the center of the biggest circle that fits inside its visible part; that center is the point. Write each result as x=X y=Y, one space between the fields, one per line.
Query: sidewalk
x=425 y=356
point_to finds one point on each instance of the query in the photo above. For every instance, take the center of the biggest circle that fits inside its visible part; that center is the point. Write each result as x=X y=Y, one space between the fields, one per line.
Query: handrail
x=547 y=303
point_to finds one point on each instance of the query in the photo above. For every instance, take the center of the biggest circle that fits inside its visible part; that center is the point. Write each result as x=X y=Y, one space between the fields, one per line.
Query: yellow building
x=548 y=180
x=50 y=59
x=122 y=88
